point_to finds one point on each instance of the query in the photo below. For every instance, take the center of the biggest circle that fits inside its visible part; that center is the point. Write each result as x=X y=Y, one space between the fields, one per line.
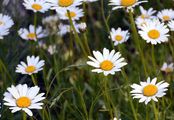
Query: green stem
x=77 y=38
x=137 y=42
x=34 y=80
x=86 y=43
x=106 y=23
x=153 y=58
x=35 y=22
x=155 y=110
x=24 y=116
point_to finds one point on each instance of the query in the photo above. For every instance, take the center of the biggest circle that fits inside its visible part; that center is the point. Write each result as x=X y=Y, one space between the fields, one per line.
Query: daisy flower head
x=128 y=4
x=31 y=34
x=3 y=32
x=108 y=62
x=6 y=21
x=22 y=97
x=36 y=5
x=149 y=90
x=119 y=36
x=74 y=12
x=140 y=22
x=59 y=4
x=154 y=32
x=166 y=15
x=167 y=68
x=147 y=14
x=33 y=65
x=171 y=25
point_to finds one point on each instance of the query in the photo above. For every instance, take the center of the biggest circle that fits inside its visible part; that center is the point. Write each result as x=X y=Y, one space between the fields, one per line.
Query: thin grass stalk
x=106 y=22
x=86 y=43
x=130 y=98
x=77 y=38
x=153 y=58
x=136 y=39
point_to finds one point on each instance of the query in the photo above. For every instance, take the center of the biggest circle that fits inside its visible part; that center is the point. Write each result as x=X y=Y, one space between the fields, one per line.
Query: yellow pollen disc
x=168 y=70
x=37 y=7
x=23 y=102
x=1 y=23
x=72 y=14
x=150 y=90
x=30 y=69
x=154 y=34
x=128 y=3
x=118 y=37
x=31 y=35
x=106 y=65
x=166 y=18
x=144 y=16
x=65 y=3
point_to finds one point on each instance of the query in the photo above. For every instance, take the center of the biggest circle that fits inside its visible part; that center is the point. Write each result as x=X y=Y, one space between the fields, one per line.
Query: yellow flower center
x=154 y=34
x=30 y=69
x=72 y=14
x=168 y=70
x=144 y=16
x=150 y=90
x=31 y=35
x=23 y=102
x=37 y=7
x=118 y=37
x=2 y=23
x=65 y=3
x=128 y=3
x=106 y=65
x=166 y=18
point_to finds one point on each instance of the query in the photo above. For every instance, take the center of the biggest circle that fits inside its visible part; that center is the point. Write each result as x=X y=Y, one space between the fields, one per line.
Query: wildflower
x=108 y=62
x=147 y=14
x=34 y=65
x=31 y=34
x=166 y=15
x=75 y=13
x=36 y=5
x=140 y=22
x=167 y=68
x=59 y=4
x=154 y=32
x=171 y=25
x=119 y=36
x=149 y=90
x=22 y=97
x=128 y=4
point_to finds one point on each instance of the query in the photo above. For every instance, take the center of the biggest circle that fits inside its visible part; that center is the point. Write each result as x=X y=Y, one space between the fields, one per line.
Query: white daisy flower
x=119 y=36
x=140 y=22
x=59 y=4
x=22 y=97
x=128 y=4
x=147 y=14
x=74 y=12
x=149 y=90
x=88 y=1
x=154 y=32
x=36 y=5
x=108 y=62
x=34 y=65
x=167 y=68
x=171 y=25
x=6 y=21
x=166 y=15
x=3 y=32
x=82 y=26
x=30 y=34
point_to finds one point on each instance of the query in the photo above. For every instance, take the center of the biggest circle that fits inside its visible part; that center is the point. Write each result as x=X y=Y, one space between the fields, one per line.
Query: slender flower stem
x=106 y=23
x=35 y=22
x=86 y=43
x=34 y=80
x=24 y=116
x=136 y=40
x=153 y=58
x=77 y=38
x=155 y=110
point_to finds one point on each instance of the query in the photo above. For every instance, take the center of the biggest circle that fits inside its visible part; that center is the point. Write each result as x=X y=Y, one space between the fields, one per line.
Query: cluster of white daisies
x=152 y=29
